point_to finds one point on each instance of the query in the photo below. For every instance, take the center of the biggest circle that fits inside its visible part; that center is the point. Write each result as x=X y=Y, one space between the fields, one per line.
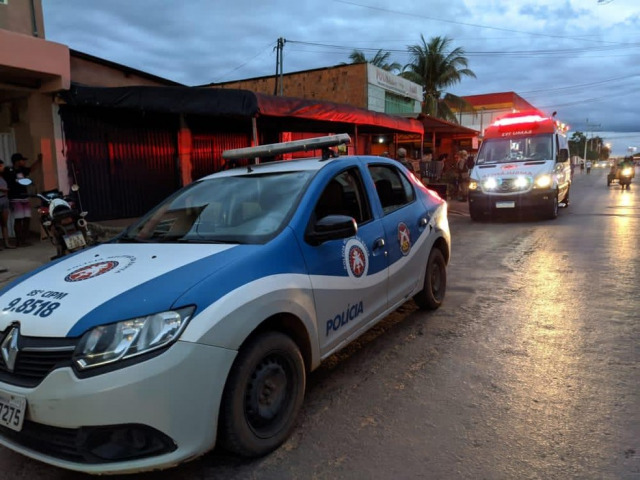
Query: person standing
x=425 y=164
x=402 y=158
x=19 y=198
x=4 y=208
x=588 y=165
x=462 y=171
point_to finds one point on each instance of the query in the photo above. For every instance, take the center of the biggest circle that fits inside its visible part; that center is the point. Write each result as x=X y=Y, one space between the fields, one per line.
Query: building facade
x=361 y=85
x=489 y=107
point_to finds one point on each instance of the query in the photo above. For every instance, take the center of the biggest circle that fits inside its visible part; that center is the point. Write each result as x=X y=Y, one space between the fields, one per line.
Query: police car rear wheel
x=435 y=282
x=263 y=395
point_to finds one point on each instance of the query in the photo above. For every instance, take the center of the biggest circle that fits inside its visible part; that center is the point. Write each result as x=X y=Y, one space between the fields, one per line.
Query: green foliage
x=380 y=60
x=436 y=67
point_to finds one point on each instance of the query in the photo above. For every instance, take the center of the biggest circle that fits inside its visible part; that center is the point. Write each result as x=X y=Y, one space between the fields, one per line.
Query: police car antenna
x=273 y=149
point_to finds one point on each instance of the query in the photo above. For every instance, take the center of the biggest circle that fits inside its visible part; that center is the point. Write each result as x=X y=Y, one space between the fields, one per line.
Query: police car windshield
x=249 y=208
x=515 y=149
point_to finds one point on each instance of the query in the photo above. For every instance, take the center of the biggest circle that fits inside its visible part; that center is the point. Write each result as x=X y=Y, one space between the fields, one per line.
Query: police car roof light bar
x=273 y=149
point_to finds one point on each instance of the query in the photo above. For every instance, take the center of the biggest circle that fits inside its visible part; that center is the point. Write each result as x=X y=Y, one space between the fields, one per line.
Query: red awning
x=323 y=111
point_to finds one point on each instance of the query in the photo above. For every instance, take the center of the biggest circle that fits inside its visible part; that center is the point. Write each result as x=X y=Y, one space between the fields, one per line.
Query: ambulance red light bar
x=505 y=122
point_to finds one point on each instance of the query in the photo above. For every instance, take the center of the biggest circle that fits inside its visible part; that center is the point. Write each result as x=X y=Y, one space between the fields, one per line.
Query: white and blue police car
x=198 y=324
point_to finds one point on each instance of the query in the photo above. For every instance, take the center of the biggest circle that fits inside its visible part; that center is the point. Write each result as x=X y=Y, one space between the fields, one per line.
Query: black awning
x=179 y=100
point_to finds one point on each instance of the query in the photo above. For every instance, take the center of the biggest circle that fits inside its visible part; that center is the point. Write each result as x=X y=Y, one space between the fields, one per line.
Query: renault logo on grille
x=9 y=348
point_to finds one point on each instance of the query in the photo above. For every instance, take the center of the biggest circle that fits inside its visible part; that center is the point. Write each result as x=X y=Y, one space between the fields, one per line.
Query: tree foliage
x=380 y=60
x=596 y=149
x=437 y=67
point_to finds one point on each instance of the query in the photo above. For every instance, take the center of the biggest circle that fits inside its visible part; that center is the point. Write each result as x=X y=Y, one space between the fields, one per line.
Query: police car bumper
x=128 y=420
x=506 y=202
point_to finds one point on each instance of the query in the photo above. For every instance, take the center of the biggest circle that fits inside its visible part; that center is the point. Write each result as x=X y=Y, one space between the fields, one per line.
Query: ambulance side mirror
x=563 y=155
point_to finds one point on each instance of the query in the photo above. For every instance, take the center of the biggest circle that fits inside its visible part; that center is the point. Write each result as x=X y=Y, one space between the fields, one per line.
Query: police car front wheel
x=263 y=395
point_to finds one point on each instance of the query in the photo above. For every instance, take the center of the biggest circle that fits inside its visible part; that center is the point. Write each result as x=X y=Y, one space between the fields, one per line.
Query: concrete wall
x=23 y=16
x=341 y=84
x=94 y=73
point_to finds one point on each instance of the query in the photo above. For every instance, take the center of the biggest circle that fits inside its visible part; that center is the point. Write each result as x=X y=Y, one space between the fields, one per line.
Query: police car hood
x=109 y=283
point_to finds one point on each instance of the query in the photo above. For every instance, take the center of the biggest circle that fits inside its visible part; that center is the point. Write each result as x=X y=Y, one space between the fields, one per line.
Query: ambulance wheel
x=263 y=395
x=552 y=207
x=435 y=282
x=475 y=213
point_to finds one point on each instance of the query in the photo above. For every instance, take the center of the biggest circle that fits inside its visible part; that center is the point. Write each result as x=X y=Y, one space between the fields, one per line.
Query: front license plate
x=505 y=204
x=12 y=410
x=75 y=240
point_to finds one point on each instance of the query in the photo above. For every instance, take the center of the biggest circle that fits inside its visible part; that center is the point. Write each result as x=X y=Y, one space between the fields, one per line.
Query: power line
x=475 y=25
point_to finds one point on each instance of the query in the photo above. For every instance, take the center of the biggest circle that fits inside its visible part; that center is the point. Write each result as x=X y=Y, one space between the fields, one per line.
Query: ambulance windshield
x=516 y=149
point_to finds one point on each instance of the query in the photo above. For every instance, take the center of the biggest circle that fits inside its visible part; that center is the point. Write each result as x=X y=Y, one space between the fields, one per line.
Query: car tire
x=552 y=207
x=262 y=396
x=475 y=213
x=435 y=282
x=566 y=201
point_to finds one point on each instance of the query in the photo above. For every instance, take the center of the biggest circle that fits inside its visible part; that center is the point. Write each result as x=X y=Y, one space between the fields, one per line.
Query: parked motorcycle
x=63 y=223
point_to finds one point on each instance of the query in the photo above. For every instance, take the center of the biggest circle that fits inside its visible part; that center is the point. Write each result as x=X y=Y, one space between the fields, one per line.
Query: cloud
x=563 y=52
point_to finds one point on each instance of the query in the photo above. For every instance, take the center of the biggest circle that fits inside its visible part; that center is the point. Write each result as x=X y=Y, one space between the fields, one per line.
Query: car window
x=393 y=188
x=248 y=208
x=344 y=195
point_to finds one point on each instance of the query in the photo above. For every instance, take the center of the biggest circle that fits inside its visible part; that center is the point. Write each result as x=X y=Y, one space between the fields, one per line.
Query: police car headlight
x=543 y=181
x=473 y=185
x=118 y=341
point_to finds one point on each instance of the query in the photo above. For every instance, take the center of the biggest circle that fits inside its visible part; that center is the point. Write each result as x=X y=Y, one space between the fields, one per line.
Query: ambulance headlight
x=107 y=344
x=490 y=183
x=521 y=183
x=544 y=181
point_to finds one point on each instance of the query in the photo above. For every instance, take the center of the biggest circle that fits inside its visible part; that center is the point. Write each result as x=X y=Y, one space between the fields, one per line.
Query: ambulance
x=523 y=164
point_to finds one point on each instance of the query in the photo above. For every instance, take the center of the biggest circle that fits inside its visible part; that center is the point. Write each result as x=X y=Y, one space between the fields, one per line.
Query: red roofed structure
x=490 y=106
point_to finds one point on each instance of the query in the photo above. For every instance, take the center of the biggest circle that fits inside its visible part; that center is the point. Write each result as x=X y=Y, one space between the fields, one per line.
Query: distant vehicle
x=523 y=163
x=198 y=325
x=602 y=164
x=622 y=173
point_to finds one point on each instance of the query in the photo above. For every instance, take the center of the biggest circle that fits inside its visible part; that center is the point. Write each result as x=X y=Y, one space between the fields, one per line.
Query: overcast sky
x=580 y=58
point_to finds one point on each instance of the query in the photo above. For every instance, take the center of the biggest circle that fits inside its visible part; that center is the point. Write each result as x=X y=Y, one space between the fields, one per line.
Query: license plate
x=12 y=410
x=75 y=240
x=505 y=204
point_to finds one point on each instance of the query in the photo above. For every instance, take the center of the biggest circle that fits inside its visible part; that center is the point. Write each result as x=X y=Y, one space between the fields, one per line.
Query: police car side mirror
x=563 y=155
x=332 y=227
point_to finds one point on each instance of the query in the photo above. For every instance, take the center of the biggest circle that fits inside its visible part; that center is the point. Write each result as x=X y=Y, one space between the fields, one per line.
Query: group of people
x=14 y=198
x=433 y=170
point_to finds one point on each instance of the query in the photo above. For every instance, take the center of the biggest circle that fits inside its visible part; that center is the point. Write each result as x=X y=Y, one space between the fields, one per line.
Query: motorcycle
x=623 y=174
x=63 y=223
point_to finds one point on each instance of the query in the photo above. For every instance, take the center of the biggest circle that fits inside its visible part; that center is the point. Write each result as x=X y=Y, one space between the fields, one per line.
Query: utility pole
x=279 y=69
x=585 y=136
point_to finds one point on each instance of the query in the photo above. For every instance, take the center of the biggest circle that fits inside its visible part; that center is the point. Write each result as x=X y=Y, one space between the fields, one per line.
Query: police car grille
x=37 y=365
x=36 y=358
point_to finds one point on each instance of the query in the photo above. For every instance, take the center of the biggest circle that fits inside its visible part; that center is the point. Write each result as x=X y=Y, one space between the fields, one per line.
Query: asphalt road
x=530 y=370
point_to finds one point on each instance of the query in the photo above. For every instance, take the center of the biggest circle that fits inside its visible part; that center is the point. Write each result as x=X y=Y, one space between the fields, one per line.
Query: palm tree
x=380 y=60
x=436 y=69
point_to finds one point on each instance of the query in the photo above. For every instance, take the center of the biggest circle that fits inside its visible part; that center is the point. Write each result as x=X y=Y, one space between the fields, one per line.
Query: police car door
x=404 y=219
x=349 y=276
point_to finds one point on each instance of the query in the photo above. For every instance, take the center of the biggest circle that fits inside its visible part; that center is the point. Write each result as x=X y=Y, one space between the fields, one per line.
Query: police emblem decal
x=91 y=271
x=356 y=258
x=404 y=238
